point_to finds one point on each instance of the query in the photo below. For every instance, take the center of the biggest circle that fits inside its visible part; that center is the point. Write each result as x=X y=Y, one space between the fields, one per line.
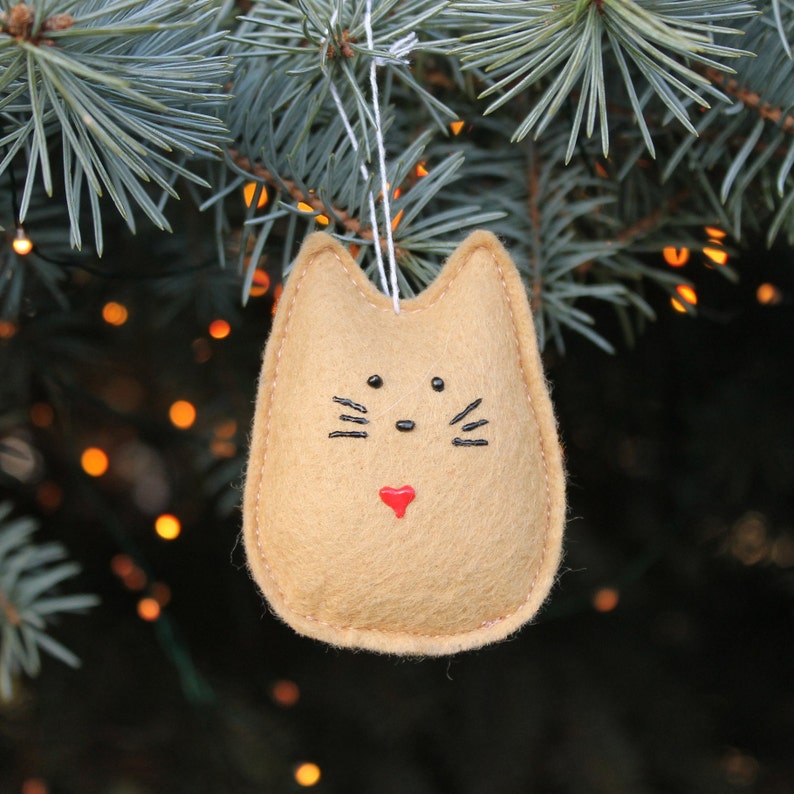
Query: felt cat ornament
x=405 y=489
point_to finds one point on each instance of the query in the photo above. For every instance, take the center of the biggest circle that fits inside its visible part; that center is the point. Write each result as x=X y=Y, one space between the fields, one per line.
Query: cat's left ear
x=480 y=286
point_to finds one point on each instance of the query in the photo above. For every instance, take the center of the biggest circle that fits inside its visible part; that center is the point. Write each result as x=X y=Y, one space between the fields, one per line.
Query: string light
x=226 y=429
x=221 y=446
x=114 y=313
x=715 y=233
x=457 y=126
x=323 y=220
x=219 y=329
x=307 y=774
x=167 y=526
x=222 y=449
x=249 y=191
x=94 y=461
x=686 y=297
x=421 y=170
x=678 y=306
x=34 y=785
x=675 y=257
x=161 y=593
x=122 y=565
x=285 y=693
x=148 y=609
x=7 y=329
x=182 y=414
x=687 y=293
x=768 y=294
x=22 y=244
x=131 y=575
x=605 y=599
x=260 y=283
x=717 y=255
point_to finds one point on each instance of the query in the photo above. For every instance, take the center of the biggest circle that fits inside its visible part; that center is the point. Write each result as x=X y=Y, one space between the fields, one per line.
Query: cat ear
x=479 y=270
x=329 y=279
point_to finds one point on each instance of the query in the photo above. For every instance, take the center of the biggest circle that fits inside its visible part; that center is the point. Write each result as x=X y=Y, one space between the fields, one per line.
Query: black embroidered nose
x=405 y=425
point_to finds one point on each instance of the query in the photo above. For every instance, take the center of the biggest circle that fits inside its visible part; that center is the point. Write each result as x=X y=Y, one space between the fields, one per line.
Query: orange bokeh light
x=605 y=599
x=167 y=526
x=22 y=244
x=249 y=191
x=717 y=255
x=226 y=429
x=260 y=283
x=219 y=329
x=457 y=126
x=678 y=306
x=182 y=414
x=148 y=609
x=161 y=593
x=687 y=293
x=94 y=461
x=115 y=313
x=768 y=294
x=285 y=693
x=7 y=329
x=122 y=565
x=421 y=170
x=715 y=232
x=35 y=785
x=675 y=257
x=307 y=774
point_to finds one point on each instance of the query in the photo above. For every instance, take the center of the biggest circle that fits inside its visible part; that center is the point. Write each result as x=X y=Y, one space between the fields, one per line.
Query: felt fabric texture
x=445 y=402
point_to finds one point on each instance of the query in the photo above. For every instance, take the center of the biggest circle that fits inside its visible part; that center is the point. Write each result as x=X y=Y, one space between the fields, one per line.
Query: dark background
x=680 y=456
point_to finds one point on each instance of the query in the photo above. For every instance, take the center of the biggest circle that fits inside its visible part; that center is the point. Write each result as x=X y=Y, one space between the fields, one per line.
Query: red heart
x=398 y=498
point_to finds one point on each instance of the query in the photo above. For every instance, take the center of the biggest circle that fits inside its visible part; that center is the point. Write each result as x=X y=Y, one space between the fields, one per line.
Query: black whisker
x=359 y=420
x=467 y=410
x=469 y=442
x=348 y=434
x=472 y=425
x=350 y=404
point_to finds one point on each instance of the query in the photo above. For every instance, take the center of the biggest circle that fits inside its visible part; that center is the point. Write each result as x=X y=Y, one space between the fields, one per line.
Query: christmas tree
x=161 y=163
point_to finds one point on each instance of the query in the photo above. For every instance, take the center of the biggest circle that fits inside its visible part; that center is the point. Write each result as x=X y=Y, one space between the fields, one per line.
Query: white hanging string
x=372 y=212
x=384 y=185
x=400 y=50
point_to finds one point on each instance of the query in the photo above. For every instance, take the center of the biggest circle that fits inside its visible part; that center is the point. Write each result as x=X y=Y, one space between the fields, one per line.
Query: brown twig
x=351 y=223
x=653 y=219
x=751 y=99
x=9 y=610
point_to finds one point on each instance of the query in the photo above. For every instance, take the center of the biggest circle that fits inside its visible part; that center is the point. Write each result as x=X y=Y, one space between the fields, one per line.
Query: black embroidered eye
x=375 y=381
x=437 y=384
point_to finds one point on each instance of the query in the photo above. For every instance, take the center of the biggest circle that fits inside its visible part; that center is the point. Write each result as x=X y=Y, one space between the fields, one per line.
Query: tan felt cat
x=405 y=489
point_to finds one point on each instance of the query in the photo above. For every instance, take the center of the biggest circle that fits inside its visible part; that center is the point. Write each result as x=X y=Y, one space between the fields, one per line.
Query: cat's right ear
x=325 y=278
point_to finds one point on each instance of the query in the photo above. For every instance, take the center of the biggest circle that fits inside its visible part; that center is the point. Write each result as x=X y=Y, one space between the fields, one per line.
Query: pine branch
x=559 y=47
x=29 y=578
x=752 y=100
x=119 y=87
x=341 y=216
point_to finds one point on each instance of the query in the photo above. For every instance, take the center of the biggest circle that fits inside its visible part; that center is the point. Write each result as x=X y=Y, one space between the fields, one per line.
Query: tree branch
x=750 y=99
x=351 y=223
